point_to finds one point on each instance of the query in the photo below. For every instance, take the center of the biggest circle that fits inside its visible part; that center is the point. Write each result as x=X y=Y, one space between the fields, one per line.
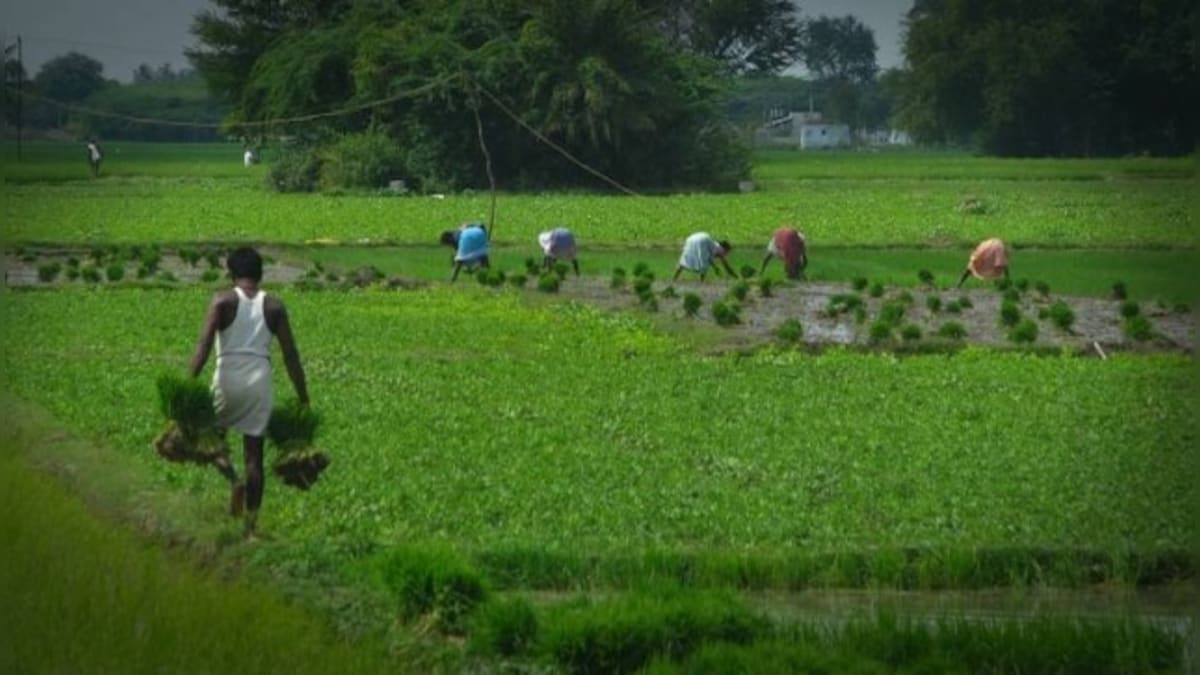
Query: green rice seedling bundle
x=952 y=330
x=934 y=303
x=115 y=271
x=926 y=277
x=726 y=312
x=1130 y=309
x=791 y=330
x=740 y=290
x=1062 y=315
x=1010 y=313
x=532 y=268
x=1025 y=331
x=561 y=269
x=293 y=430
x=1119 y=291
x=618 y=278
x=668 y=292
x=518 y=280
x=49 y=271
x=191 y=433
x=876 y=290
x=859 y=283
x=911 y=332
x=548 y=282
x=692 y=303
x=747 y=271
x=766 y=287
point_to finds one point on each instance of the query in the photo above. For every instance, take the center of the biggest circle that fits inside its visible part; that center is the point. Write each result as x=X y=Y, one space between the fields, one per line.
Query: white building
x=802 y=130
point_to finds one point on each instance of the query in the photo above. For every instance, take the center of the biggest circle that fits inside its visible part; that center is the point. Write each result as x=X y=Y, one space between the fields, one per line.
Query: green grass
x=161 y=194
x=900 y=465
x=81 y=595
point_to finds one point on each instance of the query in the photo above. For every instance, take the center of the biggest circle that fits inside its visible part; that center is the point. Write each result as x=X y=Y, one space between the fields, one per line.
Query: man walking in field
x=95 y=156
x=788 y=245
x=989 y=260
x=699 y=252
x=242 y=321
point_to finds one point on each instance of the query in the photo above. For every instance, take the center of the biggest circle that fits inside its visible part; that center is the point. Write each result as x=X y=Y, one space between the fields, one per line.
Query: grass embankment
x=82 y=595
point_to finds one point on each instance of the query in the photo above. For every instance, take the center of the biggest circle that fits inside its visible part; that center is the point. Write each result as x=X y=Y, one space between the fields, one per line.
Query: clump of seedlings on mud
x=1026 y=330
x=548 y=282
x=1010 y=313
x=691 y=304
x=790 y=331
x=952 y=330
x=766 y=287
x=1061 y=315
x=727 y=312
x=926 y=277
x=859 y=283
x=1130 y=309
x=293 y=431
x=618 y=278
x=1138 y=327
x=1119 y=291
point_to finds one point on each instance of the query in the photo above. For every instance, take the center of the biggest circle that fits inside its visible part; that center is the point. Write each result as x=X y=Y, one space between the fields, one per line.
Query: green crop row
x=468 y=416
x=199 y=194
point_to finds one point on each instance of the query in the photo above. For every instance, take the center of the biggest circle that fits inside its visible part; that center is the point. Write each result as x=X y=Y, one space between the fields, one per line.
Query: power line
x=556 y=147
x=252 y=123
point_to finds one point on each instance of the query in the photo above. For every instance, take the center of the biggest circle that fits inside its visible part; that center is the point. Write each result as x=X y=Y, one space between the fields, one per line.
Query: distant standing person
x=558 y=244
x=95 y=156
x=989 y=260
x=788 y=245
x=699 y=252
x=249 y=158
x=470 y=244
x=242 y=321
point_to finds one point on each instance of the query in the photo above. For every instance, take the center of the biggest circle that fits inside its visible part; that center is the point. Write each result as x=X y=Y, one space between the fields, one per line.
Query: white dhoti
x=242 y=395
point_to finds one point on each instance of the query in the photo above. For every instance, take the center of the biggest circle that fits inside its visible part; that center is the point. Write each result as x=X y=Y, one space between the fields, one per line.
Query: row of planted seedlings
x=659 y=626
x=113 y=263
x=725 y=312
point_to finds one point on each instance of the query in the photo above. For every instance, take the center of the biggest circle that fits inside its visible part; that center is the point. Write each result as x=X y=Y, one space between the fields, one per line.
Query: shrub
x=90 y=274
x=748 y=271
x=368 y=159
x=434 y=582
x=876 y=290
x=766 y=287
x=1025 y=331
x=1042 y=288
x=297 y=169
x=842 y=303
x=1062 y=315
x=925 y=276
x=548 y=282
x=618 y=278
x=892 y=312
x=739 y=290
x=691 y=304
x=726 y=313
x=504 y=627
x=880 y=330
x=911 y=332
x=1119 y=292
x=934 y=303
x=859 y=283
x=189 y=255
x=1138 y=327
x=1010 y=313
x=115 y=271
x=49 y=271
x=518 y=280
x=952 y=330
x=791 y=330
x=1130 y=309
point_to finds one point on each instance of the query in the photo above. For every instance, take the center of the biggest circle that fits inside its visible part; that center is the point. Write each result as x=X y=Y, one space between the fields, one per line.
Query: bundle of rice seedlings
x=191 y=433
x=292 y=430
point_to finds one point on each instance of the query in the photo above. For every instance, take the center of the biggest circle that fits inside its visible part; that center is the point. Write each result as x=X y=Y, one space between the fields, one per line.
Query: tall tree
x=71 y=77
x=1054 y=77
x=758 y=37
x=839 y=48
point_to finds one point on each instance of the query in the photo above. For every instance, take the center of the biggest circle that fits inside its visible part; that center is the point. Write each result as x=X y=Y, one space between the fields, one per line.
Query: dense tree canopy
x=758 y=37
x=599 y=78
x=71 y=77
x=1054 y=77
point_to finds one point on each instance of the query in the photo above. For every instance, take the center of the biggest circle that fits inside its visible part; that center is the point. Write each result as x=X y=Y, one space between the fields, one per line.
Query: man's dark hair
x=245 y=263
x=450 y=238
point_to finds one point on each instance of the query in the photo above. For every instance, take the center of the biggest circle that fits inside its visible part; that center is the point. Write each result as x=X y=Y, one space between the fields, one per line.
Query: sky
x=122 y=34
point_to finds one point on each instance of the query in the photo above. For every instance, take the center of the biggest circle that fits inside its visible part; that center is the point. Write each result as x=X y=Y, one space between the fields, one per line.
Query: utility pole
x=20 y=95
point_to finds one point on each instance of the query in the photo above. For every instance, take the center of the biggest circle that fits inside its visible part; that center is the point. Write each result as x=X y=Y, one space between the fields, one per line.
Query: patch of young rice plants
x=1064 y=454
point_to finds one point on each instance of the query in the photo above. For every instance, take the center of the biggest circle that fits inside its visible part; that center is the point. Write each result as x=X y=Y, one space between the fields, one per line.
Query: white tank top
x=248 y=334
